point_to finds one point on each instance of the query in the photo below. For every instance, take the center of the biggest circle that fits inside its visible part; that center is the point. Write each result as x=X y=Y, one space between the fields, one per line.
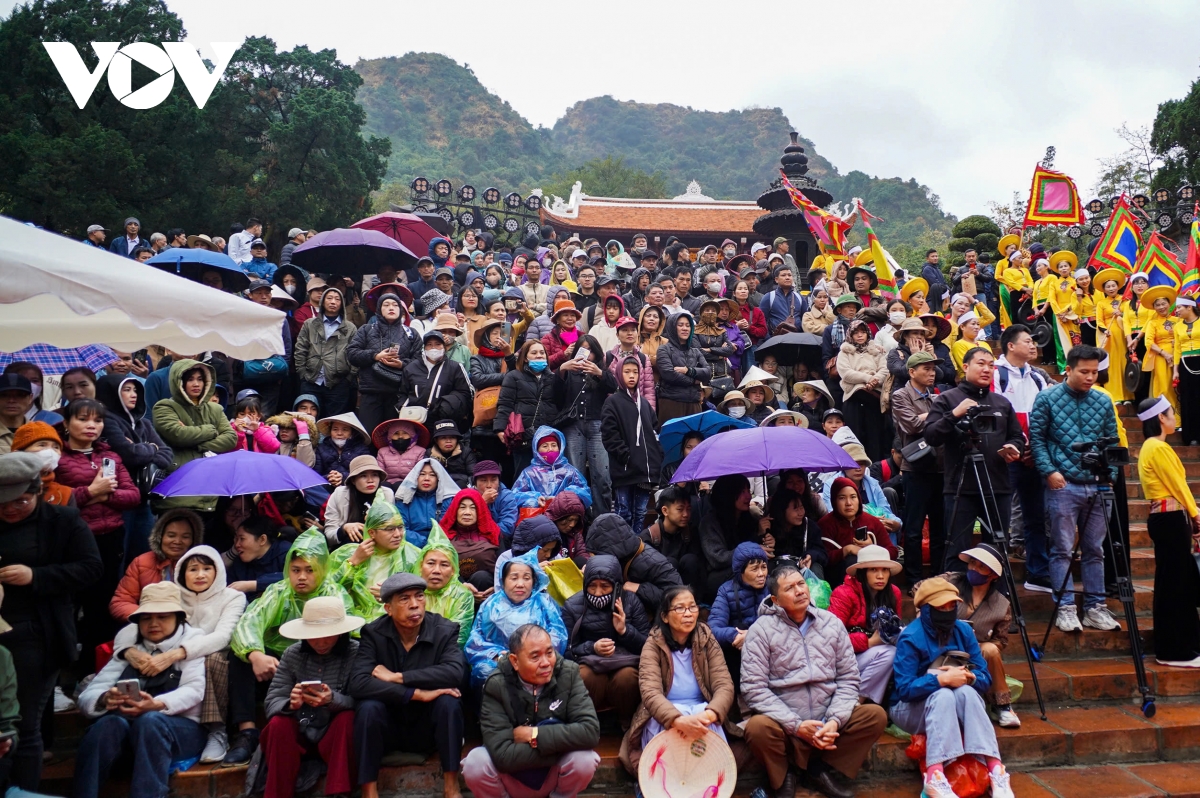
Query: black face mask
x=401 y=444
x=943 y=620
x=599 y=602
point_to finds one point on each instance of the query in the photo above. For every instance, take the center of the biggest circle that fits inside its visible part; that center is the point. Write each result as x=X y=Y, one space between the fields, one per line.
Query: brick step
x=1134 y=432
x=1088 y=644
x=1133 y=489
x=1141 y=565
x=1139 y=536
x=1188 y=454
x=1079 y=681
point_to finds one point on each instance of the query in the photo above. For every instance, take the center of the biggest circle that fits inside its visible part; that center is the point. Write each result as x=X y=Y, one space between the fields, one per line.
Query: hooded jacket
x=77 y=470
x=649 y=345
x=857 y=368
x=192 y=429
x=917 y=649
x=357 y=580
x=736 y=606
x=419 y=508
x=605 y=333
x=541 y=478
x=449 y=398
x=595 y=624
x=264 y=572
x=153 y=566
x=317 y=355
x=849 y=604
x=628 y=426
x=258 y=628
x=635 y=298
x=585 y=394
x=653 y=573
x=371 y=339
x=646 y=379
x=498 y=617
x=129 y=432
x=330 y=457
x=453 y=601
x=683 y=388
x=837 y=532
x=505 y=509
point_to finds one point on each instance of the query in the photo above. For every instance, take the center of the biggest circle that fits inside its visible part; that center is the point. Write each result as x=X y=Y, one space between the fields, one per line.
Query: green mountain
x=442 y=122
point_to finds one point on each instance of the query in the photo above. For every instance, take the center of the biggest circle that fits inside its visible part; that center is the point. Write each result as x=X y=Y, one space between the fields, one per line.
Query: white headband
x=1161 y=406
x=966 y=317
x=1104 y=363
x=1187 y=301
x=1082 y=273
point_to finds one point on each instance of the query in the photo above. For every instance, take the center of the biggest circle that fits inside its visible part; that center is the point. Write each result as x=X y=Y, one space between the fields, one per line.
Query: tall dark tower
x=785 y=219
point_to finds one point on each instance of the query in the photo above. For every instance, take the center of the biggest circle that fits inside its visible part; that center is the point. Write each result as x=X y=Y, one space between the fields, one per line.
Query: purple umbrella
x=239 y=473
x=761 y=451
x=351 y=252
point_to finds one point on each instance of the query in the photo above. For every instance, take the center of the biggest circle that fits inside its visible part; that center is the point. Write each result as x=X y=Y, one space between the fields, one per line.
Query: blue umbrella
x=708 y=423
x=762 y=451
x=191 y=263
x=238 y=473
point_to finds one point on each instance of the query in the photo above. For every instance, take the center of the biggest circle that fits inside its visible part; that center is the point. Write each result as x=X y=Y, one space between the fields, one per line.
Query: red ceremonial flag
x=828 y=229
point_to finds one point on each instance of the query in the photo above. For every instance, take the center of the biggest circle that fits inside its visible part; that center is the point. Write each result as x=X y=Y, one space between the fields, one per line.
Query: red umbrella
x=407 y=228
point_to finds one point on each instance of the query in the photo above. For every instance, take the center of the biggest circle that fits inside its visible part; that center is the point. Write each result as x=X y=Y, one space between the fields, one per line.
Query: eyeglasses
x=20 y=503
x=690 y=609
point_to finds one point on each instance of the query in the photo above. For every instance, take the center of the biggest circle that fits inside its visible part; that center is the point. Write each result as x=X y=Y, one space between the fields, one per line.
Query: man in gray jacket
x=800 y=680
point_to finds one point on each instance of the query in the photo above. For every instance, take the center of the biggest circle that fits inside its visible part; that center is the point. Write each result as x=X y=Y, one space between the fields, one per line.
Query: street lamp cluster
x=467 y=208
x=1164 y=208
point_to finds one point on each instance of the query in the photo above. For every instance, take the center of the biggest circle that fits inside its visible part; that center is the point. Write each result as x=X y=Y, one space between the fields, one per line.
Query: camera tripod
x=1104 y=494
x=991 y=524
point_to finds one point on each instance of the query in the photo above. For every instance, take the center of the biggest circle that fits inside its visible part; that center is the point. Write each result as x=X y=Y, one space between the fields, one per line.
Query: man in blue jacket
x=937 y=283
x=126 y=244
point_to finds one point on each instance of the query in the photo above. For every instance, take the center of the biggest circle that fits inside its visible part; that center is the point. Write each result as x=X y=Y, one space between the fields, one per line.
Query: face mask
x=896 y=319
x=291 y=289
x=550 y=457
x=977 y=579
x=401 y=444
x=49 y=459
x=729 y=253
x=434 y=355
x=536 y=366
x=36 y=389
x=737 y=412
x=714 y=288
x=340 y=443
x=943 y=620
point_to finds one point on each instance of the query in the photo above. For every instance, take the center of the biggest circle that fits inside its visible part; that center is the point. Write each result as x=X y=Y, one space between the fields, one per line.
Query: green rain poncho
x=359 y=579
x=258 y=628
x=453 y=602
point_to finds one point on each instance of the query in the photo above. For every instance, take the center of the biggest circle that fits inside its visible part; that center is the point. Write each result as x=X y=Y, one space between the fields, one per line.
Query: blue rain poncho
x=421 y=508
x=498 y=617
x=542 y=479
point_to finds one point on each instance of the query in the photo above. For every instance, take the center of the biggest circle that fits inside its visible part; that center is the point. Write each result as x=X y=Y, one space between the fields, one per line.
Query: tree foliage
x=1176 y=139
x=608 y=177
x=1130 y=171
x=279 y=137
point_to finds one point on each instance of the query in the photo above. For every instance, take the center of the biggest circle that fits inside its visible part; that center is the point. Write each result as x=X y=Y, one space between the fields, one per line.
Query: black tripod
x=991 y=525
x=1116 y=548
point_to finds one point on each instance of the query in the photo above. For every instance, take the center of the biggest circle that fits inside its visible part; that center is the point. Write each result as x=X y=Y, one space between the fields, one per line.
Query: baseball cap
x=256 y=285
x=758 y=247
x=443 y=272
x=15 y=382
x=921 y=358
x=295 y=231
x=258 y=242
x=605 y=279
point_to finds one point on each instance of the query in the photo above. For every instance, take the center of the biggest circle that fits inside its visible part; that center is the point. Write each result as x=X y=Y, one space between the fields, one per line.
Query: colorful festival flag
x=1052 y=199
x=828 y=229
x=1191 y=270
x=1159 y=265
x=883 y=269
x=1120 y=242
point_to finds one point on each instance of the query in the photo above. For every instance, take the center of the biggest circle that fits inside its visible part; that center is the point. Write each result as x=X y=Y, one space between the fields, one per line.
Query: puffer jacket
x=736 y=606
x=192 y=429
x=790 y=676
x=596 y=624
x=850 y=605
x=538 y=398
x=301 y=663
x=153 y=566
x=856 y=368
x=371 y=339
x=488 y=372
x=645 y=368
x=331 y=458
x=77 y=470
x=542 y=323
x=682 y=388
x=634 y=298
x=653 y=573
x=717 y=349
x=453 y=392
x=1062 y=416
x=628 y=426
x=584 y=393
x=917 y=649
x=129 y=432
x=556 y=347
x=314 y=352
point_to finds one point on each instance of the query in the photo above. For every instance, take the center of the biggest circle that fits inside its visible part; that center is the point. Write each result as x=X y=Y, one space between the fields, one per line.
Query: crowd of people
x=502 y=549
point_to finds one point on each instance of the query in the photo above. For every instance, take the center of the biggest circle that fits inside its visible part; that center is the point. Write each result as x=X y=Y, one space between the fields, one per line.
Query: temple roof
x=687 y=213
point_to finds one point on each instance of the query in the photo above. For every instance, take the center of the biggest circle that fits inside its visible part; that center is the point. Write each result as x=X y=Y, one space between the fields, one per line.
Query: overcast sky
x=964 y=96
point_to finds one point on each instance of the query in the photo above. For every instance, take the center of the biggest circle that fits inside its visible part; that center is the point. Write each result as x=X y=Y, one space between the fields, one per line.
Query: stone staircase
x=1095 y=742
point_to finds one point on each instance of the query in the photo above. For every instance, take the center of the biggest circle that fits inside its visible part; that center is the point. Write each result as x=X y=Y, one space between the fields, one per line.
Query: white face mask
x=714 y=288
x=434 y=355
x=36 y=389
x=49 y=459
x=896 y=319
x=291 y=289
x=339 y=443
x=729 y=253
x=737 y=412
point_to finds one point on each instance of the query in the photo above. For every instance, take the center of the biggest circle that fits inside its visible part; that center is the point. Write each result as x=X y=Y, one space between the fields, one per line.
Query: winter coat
x=122 y=246
x=434 y=662
x=337 y=509
x=635 y=299
x=642 y=564
x=757 y=331
x=542 y=323
x=488 y=372
x=563 y=700
x=649 y=346
x=460 y=463
x=505 y=509
x=777 y=306
x=849 y=604
x=907 y=408
x=535 y=297
x=542 y=479
x=301 y=663
x=449 y=398
x=736 y=605
x=792 y=676
x=1062 y=416
x=153 y=566
x=315 y=353
x=604 y=333
x=585 y=394
x=261 y=440
x=815 y=321
x=371 y=339
x=616 y=357
x=420 y=508
x=77 y=470
x=941 y=430
x=835 y=528
x=192 y=429
x=802 y=541
x=264 y=572
x=682 y=388
x=556 y=348
x=656 y=675
x=453 y=601
x=628 y=426
x=717 y=350
x=183 y=701
x=596 y=624
x=918 y=648
x=856 y=369
x=498 y=617
x=718 y=542
x=537 y=397
x=129 y=432
x=331 y=458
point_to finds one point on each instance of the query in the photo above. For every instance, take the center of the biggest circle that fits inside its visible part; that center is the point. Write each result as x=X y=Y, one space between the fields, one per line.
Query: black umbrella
x=791 y=348
x=352 y=252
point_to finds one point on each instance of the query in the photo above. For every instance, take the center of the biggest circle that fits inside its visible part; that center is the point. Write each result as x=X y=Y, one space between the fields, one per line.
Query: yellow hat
x=1155 y=293
x=1104 y=275
x=912 y=286
x=1060 y=256
x=935 y=591
x=1011 y=238
x=863 y=258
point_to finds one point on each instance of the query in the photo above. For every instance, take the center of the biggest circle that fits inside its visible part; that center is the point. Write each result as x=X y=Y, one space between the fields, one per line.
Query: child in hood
x=424 y=495
x=628 y=425
x=550 y=473
x=361 y=568
x=295 y=432
x=567 y=512
x=445 y=594
x=252 y=434
x=401 y=445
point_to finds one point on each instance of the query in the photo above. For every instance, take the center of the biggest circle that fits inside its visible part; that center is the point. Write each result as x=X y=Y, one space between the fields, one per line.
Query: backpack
x=1038 y=376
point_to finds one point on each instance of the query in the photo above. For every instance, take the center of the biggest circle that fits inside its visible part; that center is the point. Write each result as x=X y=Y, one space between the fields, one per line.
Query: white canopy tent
x=65 y=293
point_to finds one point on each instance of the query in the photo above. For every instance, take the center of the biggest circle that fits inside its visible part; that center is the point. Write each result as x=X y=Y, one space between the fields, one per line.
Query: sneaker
x=216 y=747
x=61 y=702
x=1067 y=619
x=936 y=786
x=243 y=748
x=1006 y=718
x=1099 y=617
x=1038 y=584
x=1188 y=663
x=1001 y=786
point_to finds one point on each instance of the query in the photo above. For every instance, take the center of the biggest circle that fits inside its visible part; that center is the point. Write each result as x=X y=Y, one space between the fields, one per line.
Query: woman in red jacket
x=846 y=529
x=753 y=323
x=176 y=531
x=103 y=490
x=865 y=602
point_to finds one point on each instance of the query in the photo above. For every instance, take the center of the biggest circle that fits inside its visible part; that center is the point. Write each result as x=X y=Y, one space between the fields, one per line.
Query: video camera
x=1100 y=456
x=979 y=420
